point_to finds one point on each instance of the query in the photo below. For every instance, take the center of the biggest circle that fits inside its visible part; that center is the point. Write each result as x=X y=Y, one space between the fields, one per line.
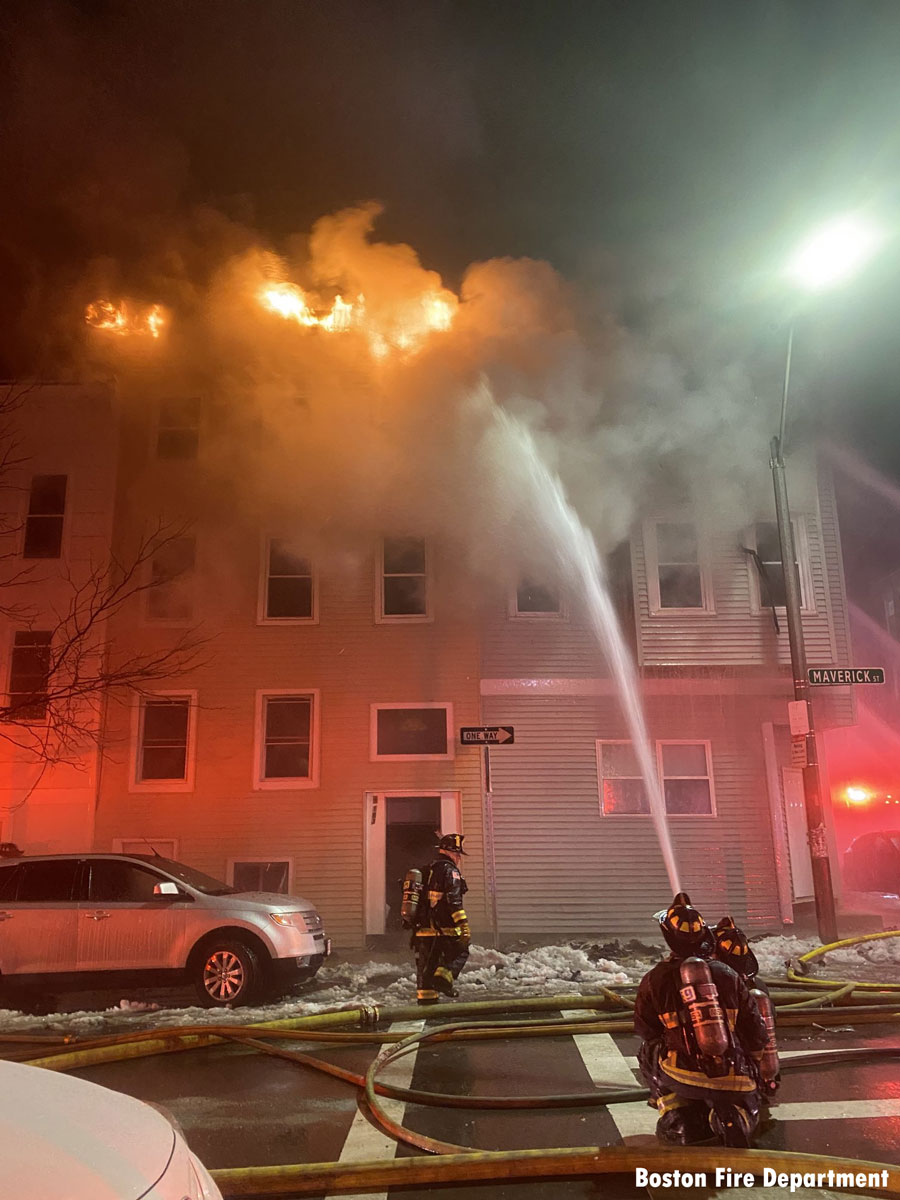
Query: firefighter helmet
x=684 y=929
x=733 y=949
x=452 y=842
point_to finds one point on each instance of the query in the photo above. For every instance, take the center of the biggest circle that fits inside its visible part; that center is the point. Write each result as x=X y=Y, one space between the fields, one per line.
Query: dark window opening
x=288 y=736
x=289 y=584
x=261 y=877
x=164 y=739
x=178 y=435
x=678 y=565
x=171 y=594
x=534 y=597
x=46 y=513
x=404 y=579
x=413 y=731
x=29 y=676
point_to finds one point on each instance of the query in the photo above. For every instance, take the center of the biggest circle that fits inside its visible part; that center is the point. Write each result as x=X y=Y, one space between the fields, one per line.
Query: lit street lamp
x=827 y=258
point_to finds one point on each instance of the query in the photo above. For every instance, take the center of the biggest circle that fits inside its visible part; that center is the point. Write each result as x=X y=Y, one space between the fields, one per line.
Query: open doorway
x=400 y=833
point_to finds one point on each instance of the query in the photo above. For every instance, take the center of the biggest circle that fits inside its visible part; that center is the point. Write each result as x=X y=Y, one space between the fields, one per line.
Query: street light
x=831 y=255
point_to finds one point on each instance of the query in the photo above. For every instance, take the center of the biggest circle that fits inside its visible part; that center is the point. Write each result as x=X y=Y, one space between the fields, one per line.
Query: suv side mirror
x=166 y=888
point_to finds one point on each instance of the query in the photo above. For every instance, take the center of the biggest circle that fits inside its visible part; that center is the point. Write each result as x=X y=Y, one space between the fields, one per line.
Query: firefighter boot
x=443 y=982
x=683 y=1122
x=733 y=1124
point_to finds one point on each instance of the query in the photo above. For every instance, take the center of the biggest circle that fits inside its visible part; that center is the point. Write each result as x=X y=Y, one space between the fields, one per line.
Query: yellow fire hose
x=812 y=981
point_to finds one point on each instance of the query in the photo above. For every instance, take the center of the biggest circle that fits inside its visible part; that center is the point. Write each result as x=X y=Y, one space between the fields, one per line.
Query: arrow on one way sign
x=487 y=735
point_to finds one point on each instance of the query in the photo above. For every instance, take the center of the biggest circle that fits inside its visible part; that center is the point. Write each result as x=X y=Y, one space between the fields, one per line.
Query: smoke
x=346 y=434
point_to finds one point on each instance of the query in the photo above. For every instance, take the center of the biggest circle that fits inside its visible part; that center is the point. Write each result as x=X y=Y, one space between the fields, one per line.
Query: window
x=113 y=882
x=768 y=570
x=9 y=877
x=46 y=512
x=622 y=790
x=287 y=749
x=412 y=731
x=684 y=770
x=163 y=847
x=257 y=876
x=170 y=596
x=289 y=584
x=51 y=881
x=164 y=735
x=29 y=676
x=684 y=767
x=534 y=599
x=178 y=433
x=677 y=572
x=404 y=582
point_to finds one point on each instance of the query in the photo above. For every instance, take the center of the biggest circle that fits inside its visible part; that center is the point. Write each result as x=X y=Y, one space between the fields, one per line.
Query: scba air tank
x=412 y=895
x=701 y=999
x=768 y=1063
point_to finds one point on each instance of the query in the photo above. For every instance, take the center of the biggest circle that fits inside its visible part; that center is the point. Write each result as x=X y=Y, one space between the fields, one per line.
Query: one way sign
x=487 y=735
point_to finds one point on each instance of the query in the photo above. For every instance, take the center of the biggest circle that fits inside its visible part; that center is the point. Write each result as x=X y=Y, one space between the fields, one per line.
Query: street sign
x=841 y=676
x=487 y=735
x=798 y=717
x=798 y=752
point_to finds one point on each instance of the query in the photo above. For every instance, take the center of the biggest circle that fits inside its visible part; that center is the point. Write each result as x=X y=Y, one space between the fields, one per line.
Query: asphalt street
x=241 y=1109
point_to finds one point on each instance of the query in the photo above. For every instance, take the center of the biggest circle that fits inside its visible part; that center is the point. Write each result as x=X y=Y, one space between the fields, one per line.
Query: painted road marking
x=608 y=1066
x=366 y=1141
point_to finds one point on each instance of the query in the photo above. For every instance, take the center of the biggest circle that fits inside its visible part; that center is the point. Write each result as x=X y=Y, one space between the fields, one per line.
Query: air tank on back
x=701 y=998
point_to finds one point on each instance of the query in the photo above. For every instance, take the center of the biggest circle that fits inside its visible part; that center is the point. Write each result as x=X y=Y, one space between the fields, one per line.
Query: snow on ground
x=490 y=974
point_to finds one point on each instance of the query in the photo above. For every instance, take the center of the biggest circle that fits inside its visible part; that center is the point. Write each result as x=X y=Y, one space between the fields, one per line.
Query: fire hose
x=825 y=1007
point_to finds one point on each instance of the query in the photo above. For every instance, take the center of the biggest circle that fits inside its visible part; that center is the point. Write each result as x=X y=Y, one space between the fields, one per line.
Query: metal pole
x=490 y=863
x=823 y=890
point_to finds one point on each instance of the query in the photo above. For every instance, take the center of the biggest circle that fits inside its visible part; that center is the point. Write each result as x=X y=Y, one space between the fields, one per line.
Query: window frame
x=515 y=614
x=375 y=708
x=67 y=509
x=295 y=783
x=707 y=607
x=135 y=783
x=382 y=618
x=161 y=428
x=174 y=622
x=24 y=720
x=147 y=845
x=801 y=549
x=261 y=858
x=658 y=751
x=263 y=597
x=706 y=743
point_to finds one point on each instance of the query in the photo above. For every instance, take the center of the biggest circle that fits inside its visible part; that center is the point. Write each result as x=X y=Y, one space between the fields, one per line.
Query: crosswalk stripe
x=366 y=1141
x=608 y=1067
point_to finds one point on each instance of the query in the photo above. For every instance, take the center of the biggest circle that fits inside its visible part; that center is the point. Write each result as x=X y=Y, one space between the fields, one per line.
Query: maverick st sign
x=841 y=676
x=487 y=735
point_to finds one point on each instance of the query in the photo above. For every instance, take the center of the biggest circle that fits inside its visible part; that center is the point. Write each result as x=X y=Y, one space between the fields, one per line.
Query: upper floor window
x=289 y=588
x=29 y=676
x=677 y=576
x=768 y=569
x=534 y=599
x=403 y=580
x=164 y=740
x=178 y=432
x=46 y=513
x=412 y=731
x=170 y=596
x=685 y=772
x=287 y=723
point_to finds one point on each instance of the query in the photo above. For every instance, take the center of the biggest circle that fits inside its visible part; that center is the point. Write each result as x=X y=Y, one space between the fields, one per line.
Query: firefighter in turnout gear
x=441 y=933
x=700 y=1032
x=733 y=949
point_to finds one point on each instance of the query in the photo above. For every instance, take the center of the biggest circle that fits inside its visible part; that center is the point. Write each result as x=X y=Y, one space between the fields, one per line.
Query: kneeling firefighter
x=733 y=949
x=433 y=909
x=699 y=1028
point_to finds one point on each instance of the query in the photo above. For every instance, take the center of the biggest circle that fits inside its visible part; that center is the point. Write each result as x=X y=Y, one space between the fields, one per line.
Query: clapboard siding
x=355 y=663
x=563 y=869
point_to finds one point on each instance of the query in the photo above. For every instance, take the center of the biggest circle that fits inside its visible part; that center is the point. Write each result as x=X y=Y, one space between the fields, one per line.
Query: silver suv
x=82 y=921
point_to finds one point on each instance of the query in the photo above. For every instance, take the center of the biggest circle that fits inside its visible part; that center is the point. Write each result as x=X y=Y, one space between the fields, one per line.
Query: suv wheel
x=227 y=973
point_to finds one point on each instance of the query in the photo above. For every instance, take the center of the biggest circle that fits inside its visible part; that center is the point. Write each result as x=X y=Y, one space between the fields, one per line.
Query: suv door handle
x=98 y=915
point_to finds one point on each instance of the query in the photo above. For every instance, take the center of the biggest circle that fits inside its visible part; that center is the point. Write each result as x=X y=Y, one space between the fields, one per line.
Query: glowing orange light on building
x=404 y=331
x=125 y=318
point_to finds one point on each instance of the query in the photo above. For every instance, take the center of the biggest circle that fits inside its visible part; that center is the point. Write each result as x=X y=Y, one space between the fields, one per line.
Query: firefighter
x=441 y=935
x=699 y=1027
x=733 y=949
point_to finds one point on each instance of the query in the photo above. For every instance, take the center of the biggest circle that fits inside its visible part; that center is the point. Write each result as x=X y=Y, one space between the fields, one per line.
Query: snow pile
x=774 y=953
x=547 y=970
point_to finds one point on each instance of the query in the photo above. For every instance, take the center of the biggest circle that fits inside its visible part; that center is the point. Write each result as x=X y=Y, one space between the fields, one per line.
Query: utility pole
x=823 y=890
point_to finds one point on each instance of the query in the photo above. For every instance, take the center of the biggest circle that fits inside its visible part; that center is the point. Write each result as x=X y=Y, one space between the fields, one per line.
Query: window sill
x=284 y=785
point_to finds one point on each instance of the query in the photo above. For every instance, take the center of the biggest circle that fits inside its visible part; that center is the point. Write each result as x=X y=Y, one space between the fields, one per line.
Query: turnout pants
x=439 y=960
x=696 y=1114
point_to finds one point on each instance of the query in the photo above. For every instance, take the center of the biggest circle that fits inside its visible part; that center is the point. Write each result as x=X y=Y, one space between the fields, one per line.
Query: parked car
x=872 y=863
x=83 y=921
x=63 y=1136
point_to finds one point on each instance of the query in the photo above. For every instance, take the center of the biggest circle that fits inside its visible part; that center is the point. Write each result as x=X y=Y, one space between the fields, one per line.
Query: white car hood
x=268 y=900
x=64 y=1138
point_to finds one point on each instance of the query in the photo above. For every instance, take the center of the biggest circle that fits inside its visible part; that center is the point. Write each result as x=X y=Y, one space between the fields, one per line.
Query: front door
x=122 y=926
x=401 y=829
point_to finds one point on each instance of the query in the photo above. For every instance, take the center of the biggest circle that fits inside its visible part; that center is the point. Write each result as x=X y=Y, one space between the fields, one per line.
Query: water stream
x=581 y=564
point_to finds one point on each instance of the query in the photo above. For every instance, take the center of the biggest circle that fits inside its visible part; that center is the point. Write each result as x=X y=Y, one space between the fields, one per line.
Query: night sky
x=664 y=154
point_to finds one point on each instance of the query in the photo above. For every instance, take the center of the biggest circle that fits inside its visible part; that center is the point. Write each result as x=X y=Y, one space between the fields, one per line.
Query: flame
x=404 y=330
x=125 y=318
